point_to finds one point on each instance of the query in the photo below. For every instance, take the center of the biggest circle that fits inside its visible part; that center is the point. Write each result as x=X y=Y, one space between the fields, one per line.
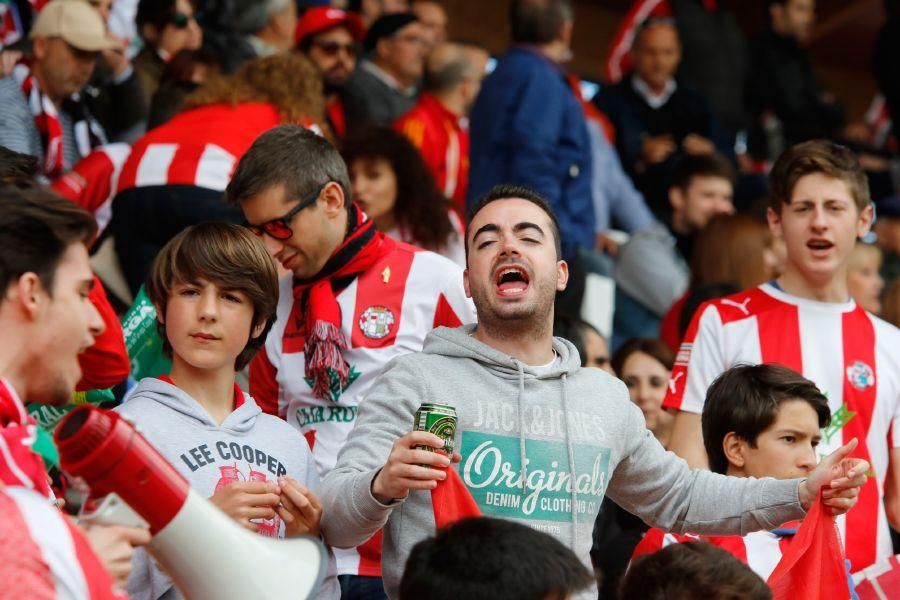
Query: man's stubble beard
x=531 y=319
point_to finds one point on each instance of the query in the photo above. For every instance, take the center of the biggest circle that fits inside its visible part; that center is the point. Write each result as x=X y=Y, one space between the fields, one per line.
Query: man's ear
x=562 y=275
x=39 y=47
x=734 y=447
x=466 y=283
x=676 y=198
x=333 y=199
x=29 y=293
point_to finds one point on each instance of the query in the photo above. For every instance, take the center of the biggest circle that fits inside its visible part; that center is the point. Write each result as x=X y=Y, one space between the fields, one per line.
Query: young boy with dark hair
x=758 y=421
x=492 y=559
x=215 y=289
x=690 y=571
x=807 y=321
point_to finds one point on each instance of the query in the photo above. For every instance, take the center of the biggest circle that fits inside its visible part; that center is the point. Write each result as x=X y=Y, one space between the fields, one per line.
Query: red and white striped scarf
x=88 y=133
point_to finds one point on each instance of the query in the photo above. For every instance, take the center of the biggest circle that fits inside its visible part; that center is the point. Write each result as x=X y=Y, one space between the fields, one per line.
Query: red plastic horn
x=105 y=450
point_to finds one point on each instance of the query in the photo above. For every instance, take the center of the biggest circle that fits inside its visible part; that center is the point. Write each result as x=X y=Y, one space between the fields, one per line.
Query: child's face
x=787 y=448
x=865 y=282
x=820 y=226
x=207 y=326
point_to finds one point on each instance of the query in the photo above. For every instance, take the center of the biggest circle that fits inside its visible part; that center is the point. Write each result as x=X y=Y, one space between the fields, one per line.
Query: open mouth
x=511 y=281
x=819 y=246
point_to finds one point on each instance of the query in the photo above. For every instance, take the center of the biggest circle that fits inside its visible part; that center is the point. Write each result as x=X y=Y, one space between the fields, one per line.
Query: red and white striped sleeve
x=43 y=556
x=699 y=361
x=263 y=383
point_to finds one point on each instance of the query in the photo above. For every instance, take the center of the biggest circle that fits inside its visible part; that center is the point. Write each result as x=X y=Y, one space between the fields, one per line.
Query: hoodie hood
x=459 y=343
x=240 y=421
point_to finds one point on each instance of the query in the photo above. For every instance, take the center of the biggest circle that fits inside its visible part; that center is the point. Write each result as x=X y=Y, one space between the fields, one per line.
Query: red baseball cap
x=322 y=18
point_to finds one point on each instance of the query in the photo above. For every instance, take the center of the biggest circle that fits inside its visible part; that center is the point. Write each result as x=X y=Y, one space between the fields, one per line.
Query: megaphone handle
x=113 y=511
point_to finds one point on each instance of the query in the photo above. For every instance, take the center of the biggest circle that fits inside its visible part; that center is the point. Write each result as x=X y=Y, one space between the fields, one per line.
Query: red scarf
x=46 y=118
x=314 y=326
x=19 y=464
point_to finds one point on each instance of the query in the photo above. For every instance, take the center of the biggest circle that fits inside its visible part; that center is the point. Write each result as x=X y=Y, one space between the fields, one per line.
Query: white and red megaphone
x=205 y=553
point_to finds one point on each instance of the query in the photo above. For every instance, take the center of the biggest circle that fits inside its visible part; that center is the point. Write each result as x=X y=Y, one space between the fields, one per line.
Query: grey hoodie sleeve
x=385 y=414
x=661 y=489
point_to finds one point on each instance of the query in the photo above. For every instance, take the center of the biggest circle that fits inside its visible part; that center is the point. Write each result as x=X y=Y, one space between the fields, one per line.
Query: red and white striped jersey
x=92 y=182
x=760 y=550
x=385 y=312
x=43 y=555
x=199 y=147
x=849 y=354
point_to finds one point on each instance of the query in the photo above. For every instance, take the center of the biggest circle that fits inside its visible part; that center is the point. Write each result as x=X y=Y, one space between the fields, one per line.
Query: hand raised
x=839 y=477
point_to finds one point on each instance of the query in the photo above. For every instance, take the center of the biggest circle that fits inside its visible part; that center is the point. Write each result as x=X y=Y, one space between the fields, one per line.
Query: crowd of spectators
x=675 y=185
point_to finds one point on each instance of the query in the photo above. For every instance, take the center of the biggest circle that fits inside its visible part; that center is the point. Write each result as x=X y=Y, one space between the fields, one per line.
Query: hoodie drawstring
x=571 y=456
x=524 y=468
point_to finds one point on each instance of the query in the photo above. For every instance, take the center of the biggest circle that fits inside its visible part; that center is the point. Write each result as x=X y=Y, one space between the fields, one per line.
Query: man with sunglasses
x=354 y=300
x=330 y=38
x=43 y=114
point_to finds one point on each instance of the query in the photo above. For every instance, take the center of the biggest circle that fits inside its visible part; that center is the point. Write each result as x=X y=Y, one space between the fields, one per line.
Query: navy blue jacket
x=527 y=127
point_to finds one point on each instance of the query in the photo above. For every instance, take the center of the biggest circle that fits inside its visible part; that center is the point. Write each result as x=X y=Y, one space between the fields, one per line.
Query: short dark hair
x=538 y=21
x=650 y=346
x=506 y=191
x=157 y=13
x=227 y=255
x=292 y=156
x=492 y=559
x=712 y=164
x=745 y=400
x=817 y=156
x=17 y=165
x=36 y=229
x=692 y=570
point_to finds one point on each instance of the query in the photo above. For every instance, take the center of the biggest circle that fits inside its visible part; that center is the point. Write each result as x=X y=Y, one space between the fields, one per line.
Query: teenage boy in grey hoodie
x=540 y=439
x=215 y=289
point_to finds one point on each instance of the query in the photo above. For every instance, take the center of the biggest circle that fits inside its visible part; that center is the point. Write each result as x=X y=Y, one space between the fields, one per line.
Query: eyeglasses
x=181 y=20
x=280 y=228
x=332 y=48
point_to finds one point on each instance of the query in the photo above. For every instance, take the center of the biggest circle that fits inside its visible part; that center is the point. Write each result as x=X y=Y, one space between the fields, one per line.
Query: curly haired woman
x=392 y=184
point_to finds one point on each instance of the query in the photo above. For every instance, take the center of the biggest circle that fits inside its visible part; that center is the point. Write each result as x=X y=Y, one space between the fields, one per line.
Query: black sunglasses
x=332 y=48
x=280 y=228
x=181 y=20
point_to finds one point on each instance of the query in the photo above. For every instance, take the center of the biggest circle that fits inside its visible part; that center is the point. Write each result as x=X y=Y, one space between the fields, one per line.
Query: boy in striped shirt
x=806 y=320
x=758 y=421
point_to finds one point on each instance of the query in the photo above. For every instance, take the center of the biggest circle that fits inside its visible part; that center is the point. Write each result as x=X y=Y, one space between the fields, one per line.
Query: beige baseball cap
x=75 y=21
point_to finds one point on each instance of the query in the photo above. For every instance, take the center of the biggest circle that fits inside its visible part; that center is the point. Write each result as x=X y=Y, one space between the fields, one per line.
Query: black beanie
x=386 y=26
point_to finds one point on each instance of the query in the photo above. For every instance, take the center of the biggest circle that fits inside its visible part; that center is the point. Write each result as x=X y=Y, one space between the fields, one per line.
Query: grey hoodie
x=249 y=445
x=565 y=424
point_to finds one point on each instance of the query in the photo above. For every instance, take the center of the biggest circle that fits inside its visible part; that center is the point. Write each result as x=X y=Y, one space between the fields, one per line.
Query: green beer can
x=439 y=419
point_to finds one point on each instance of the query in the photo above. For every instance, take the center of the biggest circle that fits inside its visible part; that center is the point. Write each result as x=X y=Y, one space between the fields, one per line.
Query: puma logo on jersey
x=673 y=381
x=742 y=306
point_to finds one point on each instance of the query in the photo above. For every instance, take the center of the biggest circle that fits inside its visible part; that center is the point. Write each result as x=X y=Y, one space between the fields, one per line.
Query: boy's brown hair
x=224 y=254
x=817 y=156
x=689 y=571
